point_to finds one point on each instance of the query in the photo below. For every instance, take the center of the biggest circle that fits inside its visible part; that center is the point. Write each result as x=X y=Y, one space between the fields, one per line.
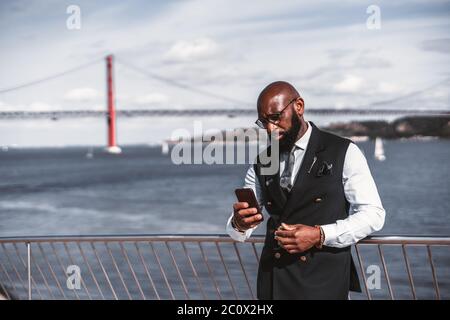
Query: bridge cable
x=178 y=84
x=405 y=96
x=48 y=78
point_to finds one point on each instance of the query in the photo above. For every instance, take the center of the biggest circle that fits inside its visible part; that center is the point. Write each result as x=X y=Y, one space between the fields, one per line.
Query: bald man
x=321 y=201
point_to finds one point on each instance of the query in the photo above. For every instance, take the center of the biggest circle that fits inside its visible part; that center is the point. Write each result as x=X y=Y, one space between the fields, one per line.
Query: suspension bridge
x=60 y=114
x=245 y=108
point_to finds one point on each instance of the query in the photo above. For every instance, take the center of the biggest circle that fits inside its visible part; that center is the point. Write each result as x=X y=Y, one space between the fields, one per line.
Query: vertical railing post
x=29 y=269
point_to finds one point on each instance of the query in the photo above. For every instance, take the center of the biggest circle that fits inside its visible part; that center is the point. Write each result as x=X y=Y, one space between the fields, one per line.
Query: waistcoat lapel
x=273 y=187
x=306 y=171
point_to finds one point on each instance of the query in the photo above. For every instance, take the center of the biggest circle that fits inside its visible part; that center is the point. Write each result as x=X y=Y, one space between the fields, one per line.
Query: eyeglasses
x=273 y=118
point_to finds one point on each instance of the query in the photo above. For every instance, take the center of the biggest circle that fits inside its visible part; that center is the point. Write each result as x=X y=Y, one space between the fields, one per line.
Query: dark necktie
x=285 y=179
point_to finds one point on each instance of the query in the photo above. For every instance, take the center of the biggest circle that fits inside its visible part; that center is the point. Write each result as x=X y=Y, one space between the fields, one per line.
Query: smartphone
x=247 y=195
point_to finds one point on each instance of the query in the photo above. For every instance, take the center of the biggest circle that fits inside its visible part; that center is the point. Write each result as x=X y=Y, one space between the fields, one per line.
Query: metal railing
x=201 y=267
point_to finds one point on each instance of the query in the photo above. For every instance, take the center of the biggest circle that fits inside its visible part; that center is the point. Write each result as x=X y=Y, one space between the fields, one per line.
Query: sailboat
x=379 y=150
x=164 y=147
x=90 y=153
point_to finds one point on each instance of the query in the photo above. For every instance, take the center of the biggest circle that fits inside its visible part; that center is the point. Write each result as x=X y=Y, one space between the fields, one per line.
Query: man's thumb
x=287 y=227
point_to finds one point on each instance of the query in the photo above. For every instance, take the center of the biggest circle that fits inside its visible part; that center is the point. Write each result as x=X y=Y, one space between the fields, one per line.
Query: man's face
x=288 y=126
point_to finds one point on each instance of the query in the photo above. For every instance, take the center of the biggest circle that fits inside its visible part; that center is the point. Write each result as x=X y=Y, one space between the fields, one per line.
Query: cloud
x=152 y=98
x=38 y=106
x=366 y=61
x=187 y=51
x=33 y=106
x=388 y=88
x=82 y=95
x=436 y=45
x=349 y=84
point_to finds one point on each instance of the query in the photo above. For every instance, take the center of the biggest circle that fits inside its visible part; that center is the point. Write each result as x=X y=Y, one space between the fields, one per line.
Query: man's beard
x=290 y=136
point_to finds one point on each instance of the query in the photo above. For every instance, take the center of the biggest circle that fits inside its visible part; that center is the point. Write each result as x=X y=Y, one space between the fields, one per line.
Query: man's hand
x=245 y=217
x=296 y=238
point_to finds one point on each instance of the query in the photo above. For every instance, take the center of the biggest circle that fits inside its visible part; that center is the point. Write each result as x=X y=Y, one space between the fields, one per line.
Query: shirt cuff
x=237 y=235
x=330 y=233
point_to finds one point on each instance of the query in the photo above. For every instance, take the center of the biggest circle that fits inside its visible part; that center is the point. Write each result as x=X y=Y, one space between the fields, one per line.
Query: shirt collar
x=303 y=141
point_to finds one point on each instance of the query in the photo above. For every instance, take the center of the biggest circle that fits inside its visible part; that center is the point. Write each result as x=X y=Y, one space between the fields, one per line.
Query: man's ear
x=300 y=106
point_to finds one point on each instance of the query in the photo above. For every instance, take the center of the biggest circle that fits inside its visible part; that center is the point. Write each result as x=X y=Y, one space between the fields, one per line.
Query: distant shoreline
x=406 y=127
x=414 y=128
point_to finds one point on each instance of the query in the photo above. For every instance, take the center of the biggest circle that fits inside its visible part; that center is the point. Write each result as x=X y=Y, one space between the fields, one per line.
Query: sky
x=329 y=50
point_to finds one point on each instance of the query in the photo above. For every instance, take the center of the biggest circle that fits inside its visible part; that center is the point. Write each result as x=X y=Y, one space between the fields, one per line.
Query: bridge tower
x=111 y=114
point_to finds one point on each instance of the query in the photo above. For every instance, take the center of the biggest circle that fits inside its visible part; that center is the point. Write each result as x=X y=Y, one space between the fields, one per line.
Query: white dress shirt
x=366 y=213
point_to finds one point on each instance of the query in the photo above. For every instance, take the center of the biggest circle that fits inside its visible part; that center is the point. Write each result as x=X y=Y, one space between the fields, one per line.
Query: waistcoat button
x=303 y=258
x=277 y=255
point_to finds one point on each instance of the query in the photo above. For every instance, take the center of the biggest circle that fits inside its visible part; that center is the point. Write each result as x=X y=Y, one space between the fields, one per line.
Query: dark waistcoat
x=317 y=198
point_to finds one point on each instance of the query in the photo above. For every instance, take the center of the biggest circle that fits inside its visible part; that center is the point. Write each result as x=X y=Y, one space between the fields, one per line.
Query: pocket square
x=325 y=169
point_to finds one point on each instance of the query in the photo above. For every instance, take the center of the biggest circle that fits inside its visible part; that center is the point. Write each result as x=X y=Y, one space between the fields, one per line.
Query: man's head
x=280 y=110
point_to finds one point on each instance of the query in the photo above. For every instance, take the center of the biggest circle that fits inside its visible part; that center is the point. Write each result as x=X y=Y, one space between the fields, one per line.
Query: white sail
x=164 y=147
x=379 y=150
x=90 y=153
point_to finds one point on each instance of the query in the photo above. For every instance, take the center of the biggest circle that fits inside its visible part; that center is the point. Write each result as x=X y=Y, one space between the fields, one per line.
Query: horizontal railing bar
x=410 y=240
x=385 y=239
x=124 y=238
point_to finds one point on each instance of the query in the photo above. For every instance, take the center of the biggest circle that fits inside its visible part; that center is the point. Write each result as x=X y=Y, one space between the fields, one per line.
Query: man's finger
x=285 y=241
x=247 y=212
x=287 y=226
x=285 y=234
x=240 y=205
x=290 y=247
x=293 y=251
x=252 y=219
